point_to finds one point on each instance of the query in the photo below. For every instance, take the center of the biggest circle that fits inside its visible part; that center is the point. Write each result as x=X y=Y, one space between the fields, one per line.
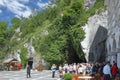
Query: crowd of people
x=106 y=70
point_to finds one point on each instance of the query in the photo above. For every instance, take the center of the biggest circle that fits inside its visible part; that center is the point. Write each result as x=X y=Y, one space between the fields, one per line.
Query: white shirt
x=60 y=67
x=70 y=68
x=66 y=67
x=80 y=70
x=74 y=67
x=107 y=69
x=53 y=68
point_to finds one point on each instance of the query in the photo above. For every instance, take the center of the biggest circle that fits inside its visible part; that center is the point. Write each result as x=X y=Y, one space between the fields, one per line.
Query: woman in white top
x=60 y=71
x=80 y=69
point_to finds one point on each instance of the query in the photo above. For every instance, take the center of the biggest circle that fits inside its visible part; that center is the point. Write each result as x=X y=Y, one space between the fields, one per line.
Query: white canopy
x=9 y=60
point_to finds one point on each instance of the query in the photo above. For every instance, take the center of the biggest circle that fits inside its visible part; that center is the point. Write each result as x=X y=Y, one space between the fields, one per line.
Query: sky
x=17 y=8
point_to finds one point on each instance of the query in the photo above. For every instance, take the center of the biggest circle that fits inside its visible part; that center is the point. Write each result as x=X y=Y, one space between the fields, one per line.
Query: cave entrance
x=73 y=57
x=30 y=62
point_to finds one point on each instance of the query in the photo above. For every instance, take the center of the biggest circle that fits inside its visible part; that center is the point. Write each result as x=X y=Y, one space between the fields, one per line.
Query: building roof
x=9 y=60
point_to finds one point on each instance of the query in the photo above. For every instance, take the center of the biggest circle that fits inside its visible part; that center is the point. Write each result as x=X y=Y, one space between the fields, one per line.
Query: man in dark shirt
x=28 y=71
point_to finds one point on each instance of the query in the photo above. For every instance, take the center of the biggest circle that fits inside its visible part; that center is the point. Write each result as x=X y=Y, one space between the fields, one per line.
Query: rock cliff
x=96 y=34
x=113 y=40
x=89 y=3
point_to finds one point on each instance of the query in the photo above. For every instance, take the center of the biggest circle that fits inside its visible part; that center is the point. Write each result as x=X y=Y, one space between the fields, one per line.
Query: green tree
x=3 y=31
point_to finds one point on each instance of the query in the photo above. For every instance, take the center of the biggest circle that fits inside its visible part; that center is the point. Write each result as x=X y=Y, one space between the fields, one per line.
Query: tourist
x=66 y=68
x=107 y=71
x=100 y=70
x=74 y=68
x=53 y=68
x=60 y=71
x=114 y=70
x=70 y=68
x=89 y=69
x=94 y=69
x=18 y=66
x=28 y=71
x=84 y=68
x=80 y=69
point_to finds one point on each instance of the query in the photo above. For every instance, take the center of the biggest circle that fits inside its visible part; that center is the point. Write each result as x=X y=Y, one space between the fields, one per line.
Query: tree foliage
x=3 y=32
x=57 y=31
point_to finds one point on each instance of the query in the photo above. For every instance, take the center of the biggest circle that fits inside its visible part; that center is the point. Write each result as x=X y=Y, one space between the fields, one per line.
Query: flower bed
x=39 y=69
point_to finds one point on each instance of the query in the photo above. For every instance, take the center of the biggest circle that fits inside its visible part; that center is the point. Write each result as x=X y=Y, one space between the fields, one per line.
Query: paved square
x=21 y=75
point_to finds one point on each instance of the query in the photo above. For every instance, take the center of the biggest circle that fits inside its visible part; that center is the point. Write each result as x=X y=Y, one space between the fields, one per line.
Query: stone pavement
x=21 y=75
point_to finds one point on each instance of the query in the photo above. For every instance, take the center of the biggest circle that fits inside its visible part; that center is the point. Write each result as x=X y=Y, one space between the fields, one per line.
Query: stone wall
x=113 y=40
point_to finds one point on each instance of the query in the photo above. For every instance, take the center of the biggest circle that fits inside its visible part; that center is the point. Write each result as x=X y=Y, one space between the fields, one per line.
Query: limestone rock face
x=36 y=58
x=89 y=3
x=15 y=54
x=113 y=40
x=96 y=34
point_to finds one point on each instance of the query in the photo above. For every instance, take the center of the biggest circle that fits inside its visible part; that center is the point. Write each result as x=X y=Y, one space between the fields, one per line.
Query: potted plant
x=39 y=68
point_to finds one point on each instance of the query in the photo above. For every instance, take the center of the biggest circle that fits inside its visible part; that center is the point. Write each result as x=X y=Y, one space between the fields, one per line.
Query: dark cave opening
x=73 y=57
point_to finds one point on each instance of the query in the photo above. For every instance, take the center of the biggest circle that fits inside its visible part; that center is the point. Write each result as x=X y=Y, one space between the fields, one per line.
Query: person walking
x=28 y=71
x=114 y=70
x=53 y=68
x=107 y=71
